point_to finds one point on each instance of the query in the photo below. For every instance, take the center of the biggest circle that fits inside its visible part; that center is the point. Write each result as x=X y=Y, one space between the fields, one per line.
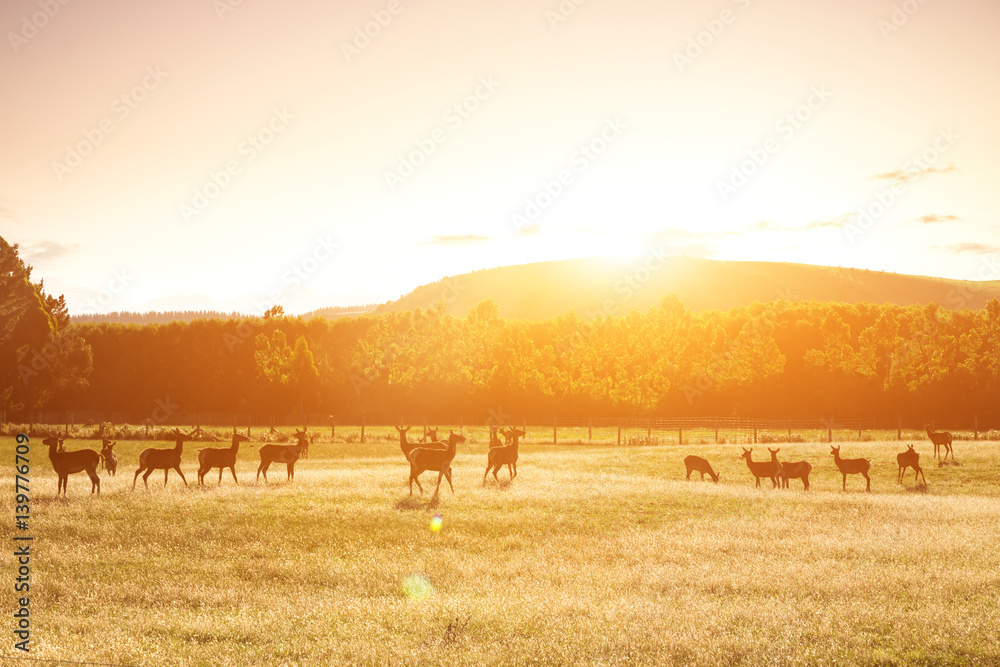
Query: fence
x=599 y=430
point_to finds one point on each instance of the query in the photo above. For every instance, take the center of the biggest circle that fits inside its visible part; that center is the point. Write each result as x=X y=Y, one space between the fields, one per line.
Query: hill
x=547 y=289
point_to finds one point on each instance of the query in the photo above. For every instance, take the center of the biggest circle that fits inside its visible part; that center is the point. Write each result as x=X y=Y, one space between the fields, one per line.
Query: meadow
x=594 y=554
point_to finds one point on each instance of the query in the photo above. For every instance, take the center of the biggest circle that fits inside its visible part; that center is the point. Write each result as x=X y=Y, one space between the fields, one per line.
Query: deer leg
x=447 y=475
x=486 y=473
x=221 y=470
x=845 y=480
x=232 y=469
x=868 y=479
x=515 y=470
x=178 y=469
x=145 y=478
x=166 y=471
x=291 y=471
x=94 y=481
x=496 y=469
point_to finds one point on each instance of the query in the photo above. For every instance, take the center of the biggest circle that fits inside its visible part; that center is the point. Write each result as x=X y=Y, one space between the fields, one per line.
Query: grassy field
x=593 y=555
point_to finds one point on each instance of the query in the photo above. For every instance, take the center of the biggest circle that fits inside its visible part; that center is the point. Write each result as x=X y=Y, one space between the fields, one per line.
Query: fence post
x=555 y=437
x=829 y=430
x=590 y=429
x=680 y=432
x=789 y=430
x=755 y=433
x=362 y=428
x=619 y=431
x=424 y=437
x=899 y=427
x=975 y=427
x=716 y=424
x=333 y=427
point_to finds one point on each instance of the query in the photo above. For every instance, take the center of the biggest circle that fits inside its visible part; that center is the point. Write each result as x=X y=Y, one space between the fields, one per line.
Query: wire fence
x=596 y=430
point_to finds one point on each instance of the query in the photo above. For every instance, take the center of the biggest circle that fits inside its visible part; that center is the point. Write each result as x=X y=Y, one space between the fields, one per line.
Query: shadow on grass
x=416 y=503
x=502 y=484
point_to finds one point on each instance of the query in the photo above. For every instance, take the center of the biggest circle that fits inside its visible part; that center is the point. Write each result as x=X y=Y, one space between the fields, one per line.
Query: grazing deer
x=910 y=459
x=766 y=469
x=698 y=464
x=940 y=439
x=852 y=467
x=787 y=471
x=501 y=455
x=162 y=459
x=108 y=457
x=66 y=463
x=426 y=458
x=287 y=454
x=220 y=458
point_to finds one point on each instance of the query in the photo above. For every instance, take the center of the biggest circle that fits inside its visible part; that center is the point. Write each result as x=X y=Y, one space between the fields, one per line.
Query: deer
x=501 y=455
x=786 y=470
x=287 y=454
x=215 y=457
x=66 y=463
x=698 y=464
x=852 y=467
x=427 y=458
x=430 y=436
x=108 y=457
x=408 y=446
x=910 y=459
x=940 y=439
x=162 y=459
x=766 y=469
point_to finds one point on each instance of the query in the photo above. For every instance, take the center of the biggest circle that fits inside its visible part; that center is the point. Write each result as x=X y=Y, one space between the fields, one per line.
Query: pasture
x=593 y=555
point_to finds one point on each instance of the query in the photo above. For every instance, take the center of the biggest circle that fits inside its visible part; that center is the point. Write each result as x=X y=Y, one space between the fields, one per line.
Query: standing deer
x=430 y=436
x=766 y=469
x=287 y=454
x=66 y=463
x=910 y=459
x=852 y=467
x=108 y=457
x=162 y=459
x=698 y=464
x=426 y=458
x=940 y=439
x=215 y=457
x=408 y=446
x=501 y=455
x=786 y=471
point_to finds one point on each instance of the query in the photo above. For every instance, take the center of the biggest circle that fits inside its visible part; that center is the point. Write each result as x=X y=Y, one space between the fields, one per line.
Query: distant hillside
x=547 y=289
x=190 y=315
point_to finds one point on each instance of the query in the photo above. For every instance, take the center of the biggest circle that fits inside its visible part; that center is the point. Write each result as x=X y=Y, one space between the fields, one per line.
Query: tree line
x=775 y=360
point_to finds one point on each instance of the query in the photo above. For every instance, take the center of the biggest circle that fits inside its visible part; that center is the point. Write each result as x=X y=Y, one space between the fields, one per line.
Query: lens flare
x=417 y=586
x=436 y=523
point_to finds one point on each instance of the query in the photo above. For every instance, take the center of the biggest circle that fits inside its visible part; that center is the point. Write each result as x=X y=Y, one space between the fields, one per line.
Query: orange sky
x=194 y=154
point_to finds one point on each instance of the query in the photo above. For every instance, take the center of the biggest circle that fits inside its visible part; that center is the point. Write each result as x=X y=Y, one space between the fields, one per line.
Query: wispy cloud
x=839 y=222
x=466 y=239
x=973 y=248
x=764 y=226
x=934 y=217
x=907 y=175
x=46 y=251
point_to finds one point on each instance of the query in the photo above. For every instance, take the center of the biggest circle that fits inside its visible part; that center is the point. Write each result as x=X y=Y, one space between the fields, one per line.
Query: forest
x=781 y=359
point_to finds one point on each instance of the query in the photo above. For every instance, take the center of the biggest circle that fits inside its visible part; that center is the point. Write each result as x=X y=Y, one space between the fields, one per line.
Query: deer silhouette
x=698 y=464
x=766 y=469
x=940 y=439
x=162 y=459
x=786 y=470
x=287 y=454
x=425 y=458
x=910 y=459
x=108 y=457
x=216 y=457
x=66 y=463
x=852 y=467
x=501 y=455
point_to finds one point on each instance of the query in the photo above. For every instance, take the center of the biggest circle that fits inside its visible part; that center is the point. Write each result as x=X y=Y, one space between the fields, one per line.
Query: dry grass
x=593 y=555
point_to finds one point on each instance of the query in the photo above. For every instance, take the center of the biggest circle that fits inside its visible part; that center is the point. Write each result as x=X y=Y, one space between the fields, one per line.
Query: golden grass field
x=593 y=555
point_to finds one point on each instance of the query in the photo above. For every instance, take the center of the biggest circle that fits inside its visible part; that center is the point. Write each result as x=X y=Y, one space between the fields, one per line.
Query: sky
x=231 y=154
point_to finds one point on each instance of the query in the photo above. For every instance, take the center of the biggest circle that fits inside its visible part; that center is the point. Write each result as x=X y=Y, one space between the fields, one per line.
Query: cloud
x=974 y=248
x=934 y=217
x=764 y=226
x=907 y=175
x=46 y=251
x=465 y=239
x=839 y=222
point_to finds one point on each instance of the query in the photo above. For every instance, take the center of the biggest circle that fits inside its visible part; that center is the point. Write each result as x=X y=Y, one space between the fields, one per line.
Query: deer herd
x=436 y=455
